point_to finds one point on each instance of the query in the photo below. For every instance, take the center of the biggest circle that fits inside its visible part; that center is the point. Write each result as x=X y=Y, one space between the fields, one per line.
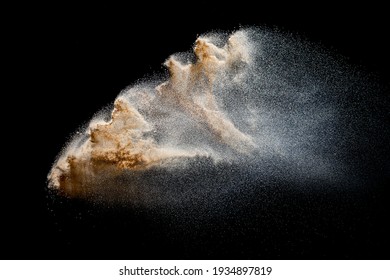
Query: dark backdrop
x=73 y=60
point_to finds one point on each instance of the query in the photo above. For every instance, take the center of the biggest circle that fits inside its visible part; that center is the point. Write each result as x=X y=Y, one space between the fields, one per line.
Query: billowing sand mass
x=266 y=104
x=122 y=144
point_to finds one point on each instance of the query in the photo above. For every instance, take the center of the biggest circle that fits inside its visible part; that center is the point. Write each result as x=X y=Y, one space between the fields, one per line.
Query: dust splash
x=268 y=104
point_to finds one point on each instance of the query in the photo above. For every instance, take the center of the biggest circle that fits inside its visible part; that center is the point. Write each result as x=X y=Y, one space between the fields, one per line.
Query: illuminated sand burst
x=271 y=104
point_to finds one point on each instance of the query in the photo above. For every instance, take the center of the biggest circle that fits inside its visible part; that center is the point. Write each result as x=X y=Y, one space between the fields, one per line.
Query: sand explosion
x=270 y=104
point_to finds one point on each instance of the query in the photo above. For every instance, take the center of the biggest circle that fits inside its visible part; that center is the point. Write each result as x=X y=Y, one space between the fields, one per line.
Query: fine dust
x=267 y=104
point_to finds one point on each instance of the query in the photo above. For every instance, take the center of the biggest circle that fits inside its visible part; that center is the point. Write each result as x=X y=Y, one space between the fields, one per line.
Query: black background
x=70 y=61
